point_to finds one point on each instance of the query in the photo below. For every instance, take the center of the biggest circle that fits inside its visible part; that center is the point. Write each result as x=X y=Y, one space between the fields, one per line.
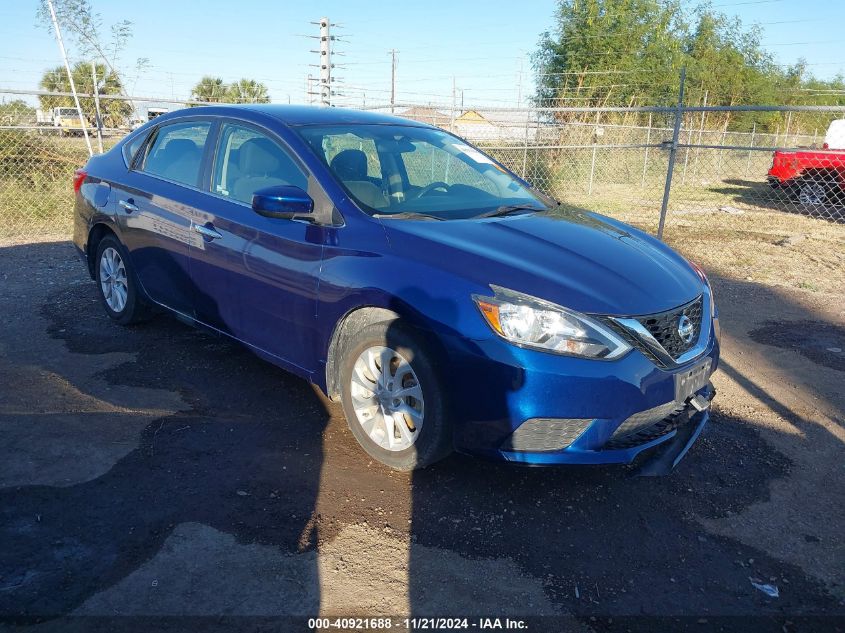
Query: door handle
x=207 y=232
x=128 y=205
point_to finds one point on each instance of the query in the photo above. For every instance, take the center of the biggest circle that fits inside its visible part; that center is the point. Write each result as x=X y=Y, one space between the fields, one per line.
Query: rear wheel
x=812 y=193
x=116 y=283
x=392 y=397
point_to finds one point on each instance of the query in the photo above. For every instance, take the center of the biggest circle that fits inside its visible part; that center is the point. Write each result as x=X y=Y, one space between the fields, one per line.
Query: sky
x=484 y=47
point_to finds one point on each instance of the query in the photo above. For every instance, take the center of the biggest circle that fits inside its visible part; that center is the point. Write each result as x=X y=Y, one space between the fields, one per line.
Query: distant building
x=427 y=114
x=510 y=126
x=496 y=125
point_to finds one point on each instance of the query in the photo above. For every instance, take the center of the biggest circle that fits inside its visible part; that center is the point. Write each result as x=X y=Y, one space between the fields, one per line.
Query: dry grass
x=748 y=244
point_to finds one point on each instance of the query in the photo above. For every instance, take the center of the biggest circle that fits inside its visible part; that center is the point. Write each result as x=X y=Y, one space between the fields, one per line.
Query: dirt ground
x=163 y=478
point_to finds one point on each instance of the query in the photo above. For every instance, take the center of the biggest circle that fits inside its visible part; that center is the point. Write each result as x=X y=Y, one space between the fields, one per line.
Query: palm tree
x=247 y=91
x=209 y=89
x=114 y=111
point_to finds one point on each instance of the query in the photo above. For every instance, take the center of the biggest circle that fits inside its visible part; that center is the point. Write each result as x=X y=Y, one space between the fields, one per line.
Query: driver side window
x=248 y=160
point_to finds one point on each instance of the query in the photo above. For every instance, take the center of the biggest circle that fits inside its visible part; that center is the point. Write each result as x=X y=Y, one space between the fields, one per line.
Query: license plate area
x=690 y=380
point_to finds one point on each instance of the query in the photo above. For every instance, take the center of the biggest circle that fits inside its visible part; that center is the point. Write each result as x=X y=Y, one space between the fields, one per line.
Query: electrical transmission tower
x=326 y=81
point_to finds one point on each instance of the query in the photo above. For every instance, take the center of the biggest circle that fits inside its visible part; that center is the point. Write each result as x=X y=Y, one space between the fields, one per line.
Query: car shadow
x=234 y=461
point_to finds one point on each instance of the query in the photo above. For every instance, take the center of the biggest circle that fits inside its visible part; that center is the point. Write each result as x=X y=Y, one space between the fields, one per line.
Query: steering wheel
x=437 y=184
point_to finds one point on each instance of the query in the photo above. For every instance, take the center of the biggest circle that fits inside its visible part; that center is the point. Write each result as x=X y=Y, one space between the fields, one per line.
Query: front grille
x=663 y=326
x=545 y=434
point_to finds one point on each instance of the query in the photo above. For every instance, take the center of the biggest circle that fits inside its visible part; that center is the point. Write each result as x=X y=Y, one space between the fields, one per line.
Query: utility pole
x=452 y=121
x=69 y=75
x=392 y=52
x=325 y=79
x=325 y=63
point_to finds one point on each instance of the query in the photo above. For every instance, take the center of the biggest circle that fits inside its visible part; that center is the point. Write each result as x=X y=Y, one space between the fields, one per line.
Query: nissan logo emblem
x=686 y=330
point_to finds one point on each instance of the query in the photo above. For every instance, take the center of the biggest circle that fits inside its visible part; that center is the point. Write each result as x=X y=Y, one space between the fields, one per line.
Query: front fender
x=425 y=297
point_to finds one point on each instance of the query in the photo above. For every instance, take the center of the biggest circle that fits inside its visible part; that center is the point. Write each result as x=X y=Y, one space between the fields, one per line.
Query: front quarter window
x=395 y=169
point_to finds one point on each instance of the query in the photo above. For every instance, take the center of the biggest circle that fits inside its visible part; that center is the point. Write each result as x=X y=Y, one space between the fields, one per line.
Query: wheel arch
x=358 y=317
x=98 y=231
x=827 y=176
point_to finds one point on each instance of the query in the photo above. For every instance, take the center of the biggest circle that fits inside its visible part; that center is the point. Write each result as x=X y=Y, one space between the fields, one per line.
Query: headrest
x=350 y=164
x=178 y=147
x=258 y=156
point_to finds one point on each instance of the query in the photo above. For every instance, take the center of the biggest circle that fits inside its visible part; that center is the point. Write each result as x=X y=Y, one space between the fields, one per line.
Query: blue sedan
x=445 y=302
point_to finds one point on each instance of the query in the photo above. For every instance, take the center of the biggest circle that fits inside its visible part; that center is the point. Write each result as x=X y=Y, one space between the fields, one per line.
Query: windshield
x=397 y=170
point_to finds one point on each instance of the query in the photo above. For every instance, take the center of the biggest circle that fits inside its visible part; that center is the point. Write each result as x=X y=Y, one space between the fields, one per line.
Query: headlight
x=532 y=322
x=700 y=272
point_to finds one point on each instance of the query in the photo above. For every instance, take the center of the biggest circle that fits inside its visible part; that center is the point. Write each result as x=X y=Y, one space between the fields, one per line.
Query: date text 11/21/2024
x=426 y=623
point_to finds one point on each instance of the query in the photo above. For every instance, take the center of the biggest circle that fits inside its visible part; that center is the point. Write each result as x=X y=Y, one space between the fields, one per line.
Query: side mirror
x=282 y=201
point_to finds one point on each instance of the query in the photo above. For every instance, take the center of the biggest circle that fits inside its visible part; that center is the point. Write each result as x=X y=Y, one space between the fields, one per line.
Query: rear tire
x=117 y=284
x=812 y=192
x=399 y=415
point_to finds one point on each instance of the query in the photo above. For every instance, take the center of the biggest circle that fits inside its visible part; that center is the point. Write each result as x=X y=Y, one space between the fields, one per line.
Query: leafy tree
x=114 y=111
x=209 y=89
x=85 y=27
x=16 y=112
x=630 y=52
x=247 y=91
x=604 y=52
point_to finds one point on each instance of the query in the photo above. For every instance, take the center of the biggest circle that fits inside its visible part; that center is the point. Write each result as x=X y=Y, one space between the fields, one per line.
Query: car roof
x=299 y=115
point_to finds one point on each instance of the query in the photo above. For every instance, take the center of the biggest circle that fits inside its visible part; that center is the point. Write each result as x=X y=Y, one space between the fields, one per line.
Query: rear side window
x=176 y=152
x=131 y=148
x=248 y=160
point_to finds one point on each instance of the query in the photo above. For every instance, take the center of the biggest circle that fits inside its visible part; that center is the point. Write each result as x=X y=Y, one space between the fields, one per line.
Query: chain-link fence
x=742 y=178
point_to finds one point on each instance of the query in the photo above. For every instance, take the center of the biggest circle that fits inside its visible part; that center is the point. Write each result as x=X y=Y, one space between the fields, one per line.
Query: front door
x=256 y=277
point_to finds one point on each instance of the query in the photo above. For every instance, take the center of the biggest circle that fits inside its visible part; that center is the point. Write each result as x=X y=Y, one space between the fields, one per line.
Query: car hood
x=576 y=259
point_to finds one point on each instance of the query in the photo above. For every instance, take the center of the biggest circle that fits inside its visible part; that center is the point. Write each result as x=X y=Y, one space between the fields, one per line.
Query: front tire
x=392 y=397
x=116 y=283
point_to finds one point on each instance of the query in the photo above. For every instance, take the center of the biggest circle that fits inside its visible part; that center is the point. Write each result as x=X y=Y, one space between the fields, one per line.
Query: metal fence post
x=721 y=144
x=686 y=156
x=647 y=144
x=750 y=151
x=595 y=148
x=673 y=151
x=525 y=149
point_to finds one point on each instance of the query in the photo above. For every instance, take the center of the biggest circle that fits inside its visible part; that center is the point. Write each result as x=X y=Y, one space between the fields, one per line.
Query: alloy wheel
x=812 y=194
x=387 y=398
x=113 y=281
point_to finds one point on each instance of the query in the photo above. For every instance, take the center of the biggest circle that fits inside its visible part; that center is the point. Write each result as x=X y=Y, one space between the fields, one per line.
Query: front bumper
x=536 y=408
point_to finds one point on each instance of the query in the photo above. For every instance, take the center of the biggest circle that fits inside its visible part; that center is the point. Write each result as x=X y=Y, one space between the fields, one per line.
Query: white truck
x=65 y=120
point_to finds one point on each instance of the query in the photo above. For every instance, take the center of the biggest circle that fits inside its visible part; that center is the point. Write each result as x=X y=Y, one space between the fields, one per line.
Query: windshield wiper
x=507 y=209
x=408 y=215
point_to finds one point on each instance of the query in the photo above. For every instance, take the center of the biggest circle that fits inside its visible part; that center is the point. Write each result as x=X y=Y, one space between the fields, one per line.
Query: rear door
x=156 y=205
x=256 y=277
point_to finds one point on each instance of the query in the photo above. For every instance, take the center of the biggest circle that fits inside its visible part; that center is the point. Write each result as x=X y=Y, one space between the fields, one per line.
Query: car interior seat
x=350 y=165
x=261 y=163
